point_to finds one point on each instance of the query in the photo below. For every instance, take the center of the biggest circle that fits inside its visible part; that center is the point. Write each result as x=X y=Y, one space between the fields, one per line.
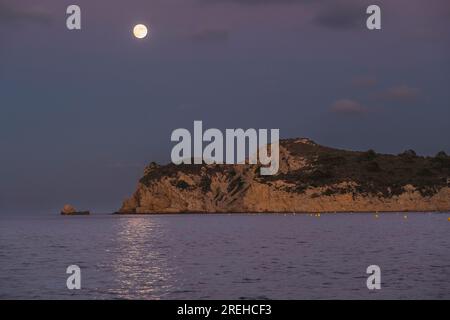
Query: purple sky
x=82 y=112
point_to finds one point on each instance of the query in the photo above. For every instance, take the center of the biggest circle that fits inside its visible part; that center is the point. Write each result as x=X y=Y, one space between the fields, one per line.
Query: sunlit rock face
x=311 y=178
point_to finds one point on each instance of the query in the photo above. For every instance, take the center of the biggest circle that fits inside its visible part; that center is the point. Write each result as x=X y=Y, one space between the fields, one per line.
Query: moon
x=140 y=31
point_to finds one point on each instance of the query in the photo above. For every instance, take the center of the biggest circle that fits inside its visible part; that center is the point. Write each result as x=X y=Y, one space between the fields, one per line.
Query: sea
x=225 y=256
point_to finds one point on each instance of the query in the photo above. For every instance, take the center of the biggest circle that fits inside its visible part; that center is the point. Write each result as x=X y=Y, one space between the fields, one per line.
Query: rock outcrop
x=311 y=178
x=70 y=210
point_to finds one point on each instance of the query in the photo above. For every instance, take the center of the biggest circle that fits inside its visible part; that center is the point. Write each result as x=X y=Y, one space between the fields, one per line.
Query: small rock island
x=69 y=210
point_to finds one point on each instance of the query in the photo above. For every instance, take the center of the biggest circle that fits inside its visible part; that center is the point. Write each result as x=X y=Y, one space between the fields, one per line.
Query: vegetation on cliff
x=371 y=173
x=311 y=178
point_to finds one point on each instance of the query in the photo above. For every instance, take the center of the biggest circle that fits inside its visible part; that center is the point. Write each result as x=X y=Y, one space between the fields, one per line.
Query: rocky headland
x=312 y=178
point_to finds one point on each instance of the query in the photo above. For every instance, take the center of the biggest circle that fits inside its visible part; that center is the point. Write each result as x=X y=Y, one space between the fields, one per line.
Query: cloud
x=210 y=36
x=342 y=14
x=402 y=93
x=348 y=106
x=347 y=15
x=11 y=13
x=364 y=81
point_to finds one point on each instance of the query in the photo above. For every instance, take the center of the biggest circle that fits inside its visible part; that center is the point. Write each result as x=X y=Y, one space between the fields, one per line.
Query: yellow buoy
x=449 y=219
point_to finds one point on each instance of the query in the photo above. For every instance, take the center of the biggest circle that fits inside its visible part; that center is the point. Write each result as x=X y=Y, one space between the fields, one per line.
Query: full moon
x=140 y=31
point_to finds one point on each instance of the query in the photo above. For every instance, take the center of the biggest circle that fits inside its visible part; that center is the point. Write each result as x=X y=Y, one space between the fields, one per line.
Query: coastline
x=312 y=179
x=277 y=212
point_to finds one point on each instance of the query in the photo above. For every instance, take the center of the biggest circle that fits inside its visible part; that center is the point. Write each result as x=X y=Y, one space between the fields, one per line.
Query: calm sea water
x=225 y=256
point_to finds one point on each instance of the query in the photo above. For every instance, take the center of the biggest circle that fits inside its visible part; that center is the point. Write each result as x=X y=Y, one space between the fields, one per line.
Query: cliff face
x=311 y=178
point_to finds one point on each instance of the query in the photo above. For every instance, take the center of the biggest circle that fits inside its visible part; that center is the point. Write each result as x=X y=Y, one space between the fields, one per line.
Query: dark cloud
x=337 y=15
x=210 y=36
x=347 y=15
x=364 y=81
x=401 y=93
x=12 y=13
x=344 y=14
x=348 y=107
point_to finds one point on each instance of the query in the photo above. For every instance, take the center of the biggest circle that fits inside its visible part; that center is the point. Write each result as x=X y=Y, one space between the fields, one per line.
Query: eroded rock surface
x=311 y=178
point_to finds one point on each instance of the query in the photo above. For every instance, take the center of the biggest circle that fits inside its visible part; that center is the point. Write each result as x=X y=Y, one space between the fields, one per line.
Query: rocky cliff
x=311 y=178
